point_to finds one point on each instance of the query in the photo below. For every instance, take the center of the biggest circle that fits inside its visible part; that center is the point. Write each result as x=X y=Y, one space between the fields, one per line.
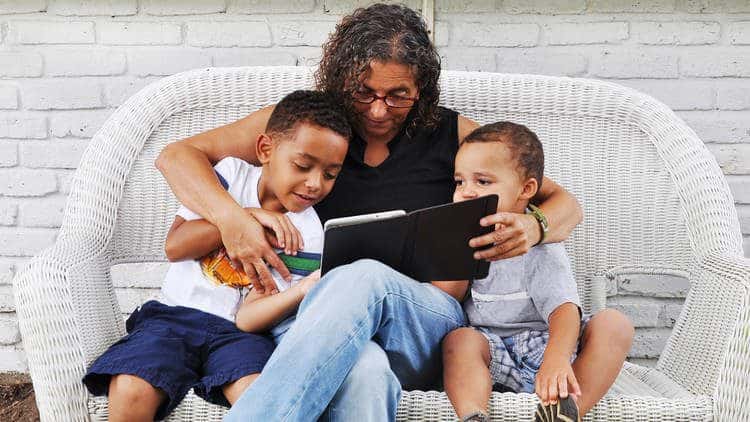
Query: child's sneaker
x=565 y=410
x=476 y=417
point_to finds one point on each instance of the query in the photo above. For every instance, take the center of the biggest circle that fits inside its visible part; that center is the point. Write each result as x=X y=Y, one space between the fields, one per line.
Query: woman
x=355 y=347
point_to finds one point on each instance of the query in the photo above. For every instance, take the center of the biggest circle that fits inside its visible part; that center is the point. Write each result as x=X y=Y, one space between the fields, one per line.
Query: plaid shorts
x=515 y=360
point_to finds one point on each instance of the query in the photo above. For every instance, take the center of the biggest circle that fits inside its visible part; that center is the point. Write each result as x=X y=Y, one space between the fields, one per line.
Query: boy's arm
x=556 y=373
x=261 y=311
x=457 y=289
x=191 y=239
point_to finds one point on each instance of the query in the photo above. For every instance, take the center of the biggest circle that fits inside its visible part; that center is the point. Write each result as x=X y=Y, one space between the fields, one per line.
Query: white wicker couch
x=655 y=203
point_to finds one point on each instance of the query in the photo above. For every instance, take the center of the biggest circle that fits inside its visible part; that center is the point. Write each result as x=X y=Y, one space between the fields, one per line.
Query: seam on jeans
x=358 y=328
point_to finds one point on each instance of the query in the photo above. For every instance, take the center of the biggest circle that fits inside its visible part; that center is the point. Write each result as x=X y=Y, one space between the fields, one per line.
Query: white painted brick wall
x=8 y=97
x=182 y=7
x=8 y=212
x=26 y=182
x=634 y=63
x=92 y=7
x=19 y=241
x=229 y=34
x=52 y=32
x=716 y=62
x=65 y=65
x=543 y=6
x=139 y=33
x=162 y=62
x=739 y=33
x=8 y=153
x=54 y=153
x=20 y=64
x=86 y=62
x=681 y=33
x=57 y=95
x=473 y=34
x=586 y=33
x=14 y=125
x=252 y=7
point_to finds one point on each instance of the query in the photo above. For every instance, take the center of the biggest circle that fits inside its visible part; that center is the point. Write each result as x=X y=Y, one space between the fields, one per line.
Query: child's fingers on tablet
x=540 y=388
x=562 y=386
x=552 y=389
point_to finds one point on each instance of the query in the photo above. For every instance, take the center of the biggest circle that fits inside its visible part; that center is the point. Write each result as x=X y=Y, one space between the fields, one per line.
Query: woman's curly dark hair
x=381 y=32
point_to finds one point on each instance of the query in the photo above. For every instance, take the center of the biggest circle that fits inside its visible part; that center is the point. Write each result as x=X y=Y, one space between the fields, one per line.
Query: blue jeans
x=361 y=334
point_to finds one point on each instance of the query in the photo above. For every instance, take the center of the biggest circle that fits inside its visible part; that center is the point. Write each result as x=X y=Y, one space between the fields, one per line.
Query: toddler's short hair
x=311 y=107
x=524 y=146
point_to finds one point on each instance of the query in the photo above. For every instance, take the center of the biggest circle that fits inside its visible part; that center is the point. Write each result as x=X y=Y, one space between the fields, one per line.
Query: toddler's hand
x=309 y=281
x=556 y=379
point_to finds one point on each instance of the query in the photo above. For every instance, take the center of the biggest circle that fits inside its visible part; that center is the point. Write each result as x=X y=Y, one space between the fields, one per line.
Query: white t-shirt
x=185 y=284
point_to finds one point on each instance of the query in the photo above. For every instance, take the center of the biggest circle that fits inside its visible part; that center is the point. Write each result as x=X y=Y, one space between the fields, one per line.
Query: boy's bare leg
x=604 y=346
x=234 y=390
x=132 y=398
x=466 y=376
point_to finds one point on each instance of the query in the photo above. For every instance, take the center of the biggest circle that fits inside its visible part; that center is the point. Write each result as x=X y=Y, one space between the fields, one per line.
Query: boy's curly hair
x=381 y=32
x=524 y=146
x=312 y=107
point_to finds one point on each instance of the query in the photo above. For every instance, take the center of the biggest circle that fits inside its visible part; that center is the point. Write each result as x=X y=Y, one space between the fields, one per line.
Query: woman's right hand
x=244 y=239
x=285 y=234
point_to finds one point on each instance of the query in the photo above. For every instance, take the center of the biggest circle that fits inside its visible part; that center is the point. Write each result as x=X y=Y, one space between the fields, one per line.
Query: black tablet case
x=429 y=244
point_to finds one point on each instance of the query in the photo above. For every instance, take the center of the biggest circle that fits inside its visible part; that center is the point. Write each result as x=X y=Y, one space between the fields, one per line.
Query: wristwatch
x=541 y=219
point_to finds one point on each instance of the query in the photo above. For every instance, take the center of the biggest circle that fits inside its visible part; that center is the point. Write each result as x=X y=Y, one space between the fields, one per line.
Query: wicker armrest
x=732 y=399
x=57 y=345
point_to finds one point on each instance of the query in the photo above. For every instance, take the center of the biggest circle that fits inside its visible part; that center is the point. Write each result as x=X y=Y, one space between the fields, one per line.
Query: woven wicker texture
x=655 y=203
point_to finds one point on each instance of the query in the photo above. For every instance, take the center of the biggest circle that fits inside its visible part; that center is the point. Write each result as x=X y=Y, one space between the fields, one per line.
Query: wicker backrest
x=654 y=199
x=621 y=153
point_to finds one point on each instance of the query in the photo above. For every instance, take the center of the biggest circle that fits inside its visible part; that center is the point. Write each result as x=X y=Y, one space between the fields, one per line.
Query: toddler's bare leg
x=604 y=346
x=466 y=361
x=133 y=399
x=234 y=390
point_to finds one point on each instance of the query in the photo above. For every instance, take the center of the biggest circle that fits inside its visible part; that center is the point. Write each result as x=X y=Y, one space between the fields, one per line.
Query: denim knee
x=370 y=379
x=372 y=367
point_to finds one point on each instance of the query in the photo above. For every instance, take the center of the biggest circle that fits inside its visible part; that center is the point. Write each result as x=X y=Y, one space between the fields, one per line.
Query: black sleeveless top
x=418 y=173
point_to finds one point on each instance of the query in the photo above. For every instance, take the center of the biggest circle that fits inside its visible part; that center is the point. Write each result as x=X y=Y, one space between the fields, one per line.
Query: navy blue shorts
x=175 y=349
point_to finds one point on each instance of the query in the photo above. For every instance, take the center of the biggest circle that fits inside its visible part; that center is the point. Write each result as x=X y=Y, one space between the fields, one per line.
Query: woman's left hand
x=514 y=235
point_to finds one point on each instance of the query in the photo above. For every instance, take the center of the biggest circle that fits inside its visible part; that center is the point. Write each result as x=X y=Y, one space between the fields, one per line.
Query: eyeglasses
x=395 y=101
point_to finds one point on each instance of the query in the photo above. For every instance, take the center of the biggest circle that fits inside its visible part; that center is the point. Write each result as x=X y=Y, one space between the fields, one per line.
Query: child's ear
x=530 y=187
x=263 y=148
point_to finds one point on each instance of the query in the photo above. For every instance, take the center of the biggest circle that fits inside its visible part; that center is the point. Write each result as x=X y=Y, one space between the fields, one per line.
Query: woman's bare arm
x=520 y=232
x=187 y=165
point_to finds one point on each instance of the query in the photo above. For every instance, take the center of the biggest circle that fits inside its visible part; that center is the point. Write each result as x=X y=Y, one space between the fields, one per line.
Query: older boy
x=188 y=338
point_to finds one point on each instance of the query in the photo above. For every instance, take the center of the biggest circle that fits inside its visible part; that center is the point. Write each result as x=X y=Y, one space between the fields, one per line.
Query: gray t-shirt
x=521 y=292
